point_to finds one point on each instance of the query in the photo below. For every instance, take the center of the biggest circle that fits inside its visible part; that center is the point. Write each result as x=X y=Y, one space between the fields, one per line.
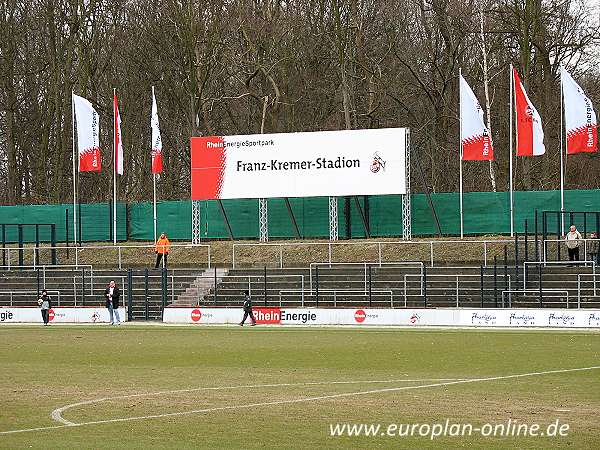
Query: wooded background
x=223 y=67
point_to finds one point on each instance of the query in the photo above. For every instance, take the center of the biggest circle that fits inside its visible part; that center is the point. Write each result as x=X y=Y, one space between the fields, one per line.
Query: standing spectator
x=247 y=309
x=112 y=294
x=45 y=305
x=162 y=249
x=573 y=239
x=592 y=248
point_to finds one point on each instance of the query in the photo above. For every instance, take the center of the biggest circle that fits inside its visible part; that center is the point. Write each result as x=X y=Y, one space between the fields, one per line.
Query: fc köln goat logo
x=377 y=164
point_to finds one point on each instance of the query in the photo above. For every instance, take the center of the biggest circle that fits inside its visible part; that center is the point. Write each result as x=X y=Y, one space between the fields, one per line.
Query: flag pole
x=154 y=205
x=460 y=155
x=74 y=172
x=115 y=162
x=154 y=186
x=510 y=164
x=562 y=165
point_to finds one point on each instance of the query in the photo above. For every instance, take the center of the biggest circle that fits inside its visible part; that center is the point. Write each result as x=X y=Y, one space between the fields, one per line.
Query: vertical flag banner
x=118 y=140
x=580 y=118
x=530 y=135
x=156 y=139
x=88 y=131
x=475 y=137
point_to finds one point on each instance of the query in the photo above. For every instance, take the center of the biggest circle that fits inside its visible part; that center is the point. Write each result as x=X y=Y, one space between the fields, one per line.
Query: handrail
x=524 y=291
x=119 y=248
x=343 y=291
x=365 y=265
x=29 y=292
x=556 y=263
x=456 y=276
x=562 y=241
x=379 y=245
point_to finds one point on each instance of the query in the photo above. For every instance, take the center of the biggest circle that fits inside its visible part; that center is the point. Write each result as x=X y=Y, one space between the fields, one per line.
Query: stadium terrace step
x=356 y=285
x=200 y=287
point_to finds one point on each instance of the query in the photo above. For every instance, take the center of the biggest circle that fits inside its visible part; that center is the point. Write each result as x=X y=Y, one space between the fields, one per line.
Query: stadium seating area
x=396 y=285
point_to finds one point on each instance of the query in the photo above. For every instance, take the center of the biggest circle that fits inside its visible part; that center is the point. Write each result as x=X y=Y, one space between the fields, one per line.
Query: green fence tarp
x=96 y=222
x=484 y=213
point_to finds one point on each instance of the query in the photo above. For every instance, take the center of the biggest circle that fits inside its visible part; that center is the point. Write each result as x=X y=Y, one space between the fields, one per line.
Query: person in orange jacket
x=162 y=249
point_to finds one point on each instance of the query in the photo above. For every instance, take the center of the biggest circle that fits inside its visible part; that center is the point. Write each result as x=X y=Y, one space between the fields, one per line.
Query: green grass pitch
x=247 y=388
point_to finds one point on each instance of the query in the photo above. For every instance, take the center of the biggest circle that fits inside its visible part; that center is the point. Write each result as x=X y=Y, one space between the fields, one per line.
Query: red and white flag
x=580 y=118
x=476 y=140
x=88 y=132
x=156 y=140
x=530 y=135
x=118 y=141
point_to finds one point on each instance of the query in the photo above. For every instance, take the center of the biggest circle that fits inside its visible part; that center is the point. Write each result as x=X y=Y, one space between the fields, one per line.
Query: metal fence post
x=67 y=230
x=53 y=243
x=495 y=282
x=3 y=245
x=215 y=285
x=20 y=230
x=129 y=294
x=540 y=280
x=517 y=257
x=559 y=217
x=317 y=285
x=36 y=253
x=525 y=271
x=425 y=286
x=370 y=287
x=83 y=286
x=265 y=285
x=146 y=306
x=164 y=288
x=505 y=271
x=481 y=283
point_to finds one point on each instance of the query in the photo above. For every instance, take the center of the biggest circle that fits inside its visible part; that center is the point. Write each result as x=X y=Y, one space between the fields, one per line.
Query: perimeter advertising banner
x=456 y=317
x=82 y=314
x=325 y=163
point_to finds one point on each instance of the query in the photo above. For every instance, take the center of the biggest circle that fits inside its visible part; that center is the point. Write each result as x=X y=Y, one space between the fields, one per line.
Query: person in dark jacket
x=592 y=248
x=112 y=294
x=247 y=309
x=45 y=304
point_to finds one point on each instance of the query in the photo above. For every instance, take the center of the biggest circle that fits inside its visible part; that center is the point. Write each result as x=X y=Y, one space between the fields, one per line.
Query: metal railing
x=11 y=294
x=555 y=263
x=456 y=285
x=581 y=287
x=366 y=267
x=536 y=291
x=79 y=249
x=280 y=247
x=546 y=243
x=335 y=293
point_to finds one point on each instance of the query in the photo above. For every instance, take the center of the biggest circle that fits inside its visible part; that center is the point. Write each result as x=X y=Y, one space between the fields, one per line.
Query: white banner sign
x=325 y=163
x=550 y=318
x=58 y=315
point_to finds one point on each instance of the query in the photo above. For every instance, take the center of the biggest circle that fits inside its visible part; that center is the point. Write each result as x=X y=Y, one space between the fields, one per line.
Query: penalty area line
x=303 y=400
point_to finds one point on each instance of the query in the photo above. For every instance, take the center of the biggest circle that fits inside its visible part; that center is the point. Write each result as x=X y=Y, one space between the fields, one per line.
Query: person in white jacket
x=573 y=239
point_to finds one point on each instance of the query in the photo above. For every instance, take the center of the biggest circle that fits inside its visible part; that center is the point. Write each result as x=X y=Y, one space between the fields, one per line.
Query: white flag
x=580 y=118
x=476 y=142
x=88 y=132
x=156 y=139
x=118 y=139
x=530 y=134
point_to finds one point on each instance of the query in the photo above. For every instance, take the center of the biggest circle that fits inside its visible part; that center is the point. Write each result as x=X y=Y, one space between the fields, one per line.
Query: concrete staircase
x=200 y=287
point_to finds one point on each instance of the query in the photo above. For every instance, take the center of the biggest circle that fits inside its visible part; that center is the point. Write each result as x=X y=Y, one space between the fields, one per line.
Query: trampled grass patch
x=225 y=387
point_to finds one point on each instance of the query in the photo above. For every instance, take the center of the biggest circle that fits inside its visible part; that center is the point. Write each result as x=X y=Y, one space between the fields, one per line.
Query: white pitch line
x=57 y=413
x=302 y=400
